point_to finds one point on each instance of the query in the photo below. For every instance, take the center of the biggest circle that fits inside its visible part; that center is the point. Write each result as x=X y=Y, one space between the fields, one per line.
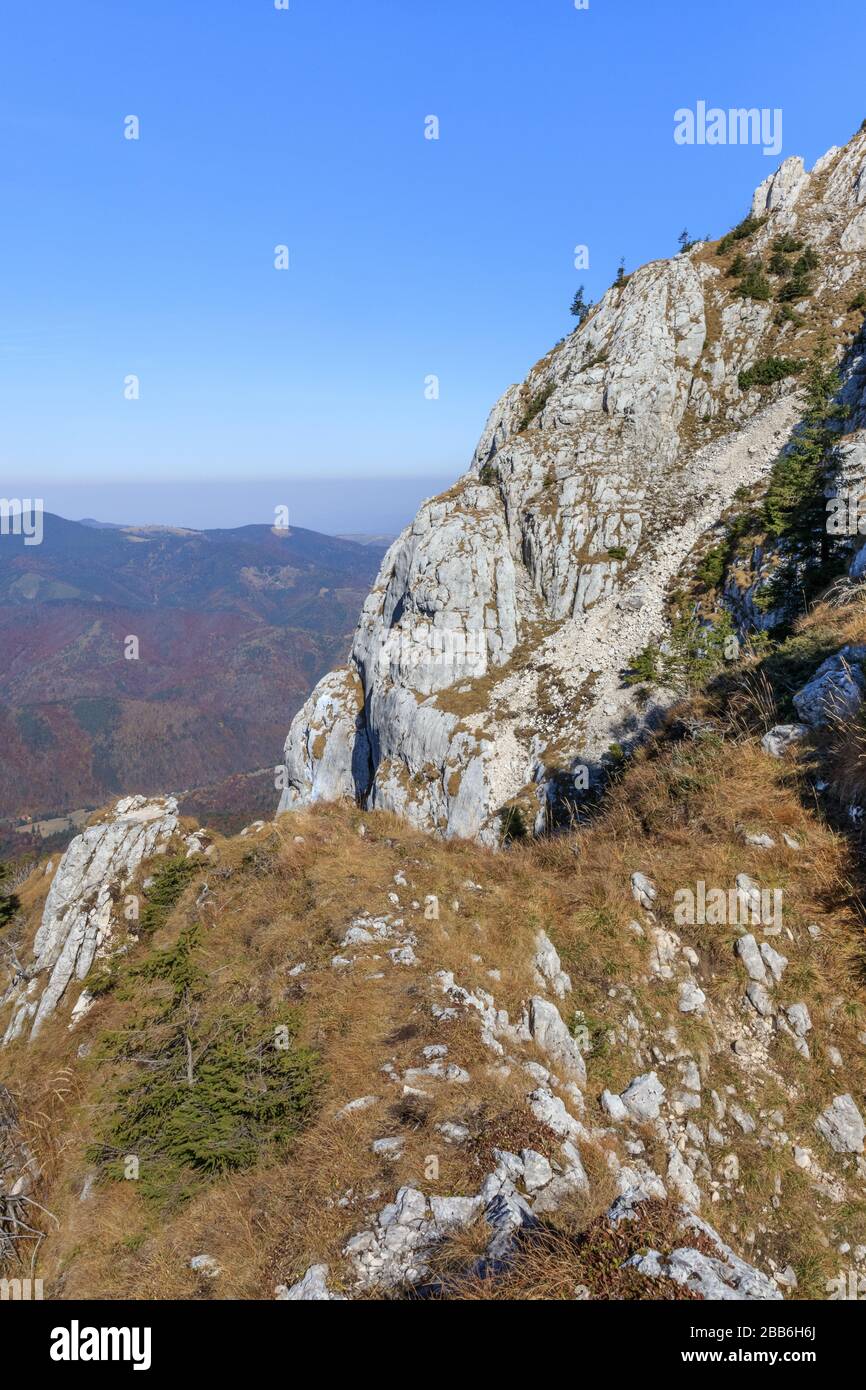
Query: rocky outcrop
x=394 y=1249
x=841 y=1124
x=835 y=691
x=412 y=1227
x=486 y=667
x=720 y=1277
x=79 y=913
x=690 y=1124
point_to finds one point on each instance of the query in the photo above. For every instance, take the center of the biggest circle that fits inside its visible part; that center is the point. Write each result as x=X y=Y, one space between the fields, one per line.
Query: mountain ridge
x=591 y=486
x=232 y=626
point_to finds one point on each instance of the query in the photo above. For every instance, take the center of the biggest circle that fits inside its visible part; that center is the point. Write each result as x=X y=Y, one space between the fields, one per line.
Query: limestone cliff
x=80 y=914
x=487 y=662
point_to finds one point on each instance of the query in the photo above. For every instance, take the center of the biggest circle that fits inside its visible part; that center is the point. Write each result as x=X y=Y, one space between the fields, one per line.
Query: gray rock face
x=799 y=1020
x=691 y=998
x=643 y=890
x=723 y=1276
x=643 y=1097
x=747 y=949
x=548 y=967
x=835 y=691
x=781 y=737
x=312 y=1288
x=536 y=580
x=78 y=916
x=775 y=963
x=759 y=999
x=551 y=1034
x=329 y=753
x=841 y=1124
x=728 y=1278
x=613 y=1106
x=782 y=189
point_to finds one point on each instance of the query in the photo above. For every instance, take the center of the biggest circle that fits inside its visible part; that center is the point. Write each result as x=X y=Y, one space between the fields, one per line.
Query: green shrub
x=488 y=475
x=645 y=667
x=213 y=1090
x=746 y=228
x=799 y=286
x=617 y=552
x=711 y=570
x=102 y=977
x=169 y=881
x=768 y=370
x=795 y=504
x=536 y=404
x=580 y=307
x=754 y=283
x=788 y=245
x=693 y=653
x=858 y=302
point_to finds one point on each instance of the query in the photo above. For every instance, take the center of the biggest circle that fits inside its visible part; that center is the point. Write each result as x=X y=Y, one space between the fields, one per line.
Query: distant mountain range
x=232 y=629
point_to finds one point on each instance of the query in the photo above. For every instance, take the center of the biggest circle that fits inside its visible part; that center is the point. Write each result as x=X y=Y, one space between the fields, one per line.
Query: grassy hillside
x=291 y=1183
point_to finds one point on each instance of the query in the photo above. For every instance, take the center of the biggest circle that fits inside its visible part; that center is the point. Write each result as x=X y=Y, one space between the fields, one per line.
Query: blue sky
x=409 y=257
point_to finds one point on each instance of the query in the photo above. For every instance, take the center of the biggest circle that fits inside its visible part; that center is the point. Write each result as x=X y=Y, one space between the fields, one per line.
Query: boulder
x=312 y=1288
x=841 y=1124
x=552 y=1036
x=78 y=918
x=643 y=890
x=782 y=737
x=836 y=689
x=643 y=1097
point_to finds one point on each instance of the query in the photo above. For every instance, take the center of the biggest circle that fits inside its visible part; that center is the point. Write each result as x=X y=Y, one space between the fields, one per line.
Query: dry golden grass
x=679 y=814
x=565 y=1258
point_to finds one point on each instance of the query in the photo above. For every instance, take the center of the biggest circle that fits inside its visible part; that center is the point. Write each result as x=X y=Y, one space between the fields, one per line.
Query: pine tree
x=693 y=652
x=795 y=507
x=580 y=307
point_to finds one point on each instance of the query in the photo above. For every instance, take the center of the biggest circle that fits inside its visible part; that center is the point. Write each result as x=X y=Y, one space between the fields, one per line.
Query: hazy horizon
x=332 y=506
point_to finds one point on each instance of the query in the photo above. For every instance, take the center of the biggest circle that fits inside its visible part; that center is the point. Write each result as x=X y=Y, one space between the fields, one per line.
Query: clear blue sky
x=408 y=256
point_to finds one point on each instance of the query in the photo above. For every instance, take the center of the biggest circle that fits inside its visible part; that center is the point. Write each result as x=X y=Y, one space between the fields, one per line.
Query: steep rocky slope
x=486 y=667
x=338 y=1058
